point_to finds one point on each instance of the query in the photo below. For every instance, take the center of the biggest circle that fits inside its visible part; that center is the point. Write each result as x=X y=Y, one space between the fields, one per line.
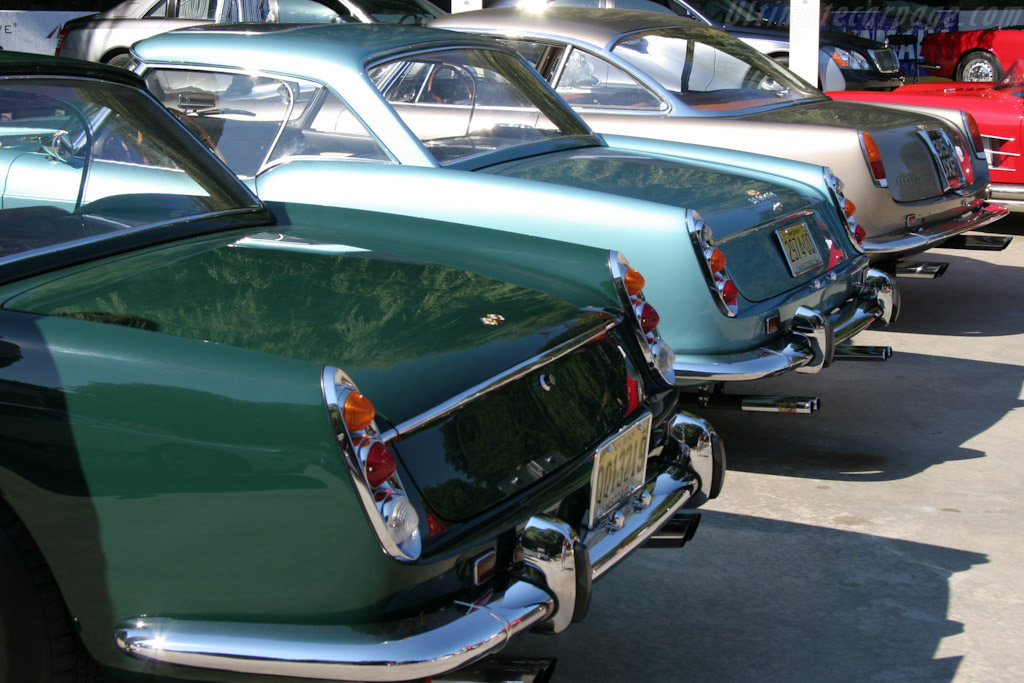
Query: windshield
x=467 y=102
x=83 y=159
x=1014 y=76
x=710 y=70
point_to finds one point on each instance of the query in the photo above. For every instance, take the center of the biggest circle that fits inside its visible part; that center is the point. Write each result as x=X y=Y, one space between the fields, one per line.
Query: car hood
x=728 y=201
x=391 y=323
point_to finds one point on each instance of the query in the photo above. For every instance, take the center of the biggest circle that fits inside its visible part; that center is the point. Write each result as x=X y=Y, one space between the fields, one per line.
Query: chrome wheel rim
x=979 y=69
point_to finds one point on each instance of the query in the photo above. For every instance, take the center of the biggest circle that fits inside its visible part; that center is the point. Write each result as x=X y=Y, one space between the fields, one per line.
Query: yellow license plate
x=620 y=468
x=800 y=250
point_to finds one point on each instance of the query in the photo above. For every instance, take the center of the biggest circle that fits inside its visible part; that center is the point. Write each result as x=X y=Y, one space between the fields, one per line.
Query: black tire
x=122 y=60
x=978 y=66
x=38 y=642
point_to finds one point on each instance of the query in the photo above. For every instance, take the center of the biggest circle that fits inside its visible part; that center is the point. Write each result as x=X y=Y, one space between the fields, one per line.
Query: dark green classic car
x=241 y=440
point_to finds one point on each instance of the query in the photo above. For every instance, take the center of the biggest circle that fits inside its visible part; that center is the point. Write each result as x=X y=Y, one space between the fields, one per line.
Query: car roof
x=580 y=24
x=273 y=47
x=24 y=64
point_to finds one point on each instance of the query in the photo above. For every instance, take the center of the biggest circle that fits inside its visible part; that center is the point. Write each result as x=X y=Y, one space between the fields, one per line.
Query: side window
x=588 y=81
x=196 y=9
x=238 y=116
x=157 y=11
x=333 y=132
x=541 y=56
x=251 y=121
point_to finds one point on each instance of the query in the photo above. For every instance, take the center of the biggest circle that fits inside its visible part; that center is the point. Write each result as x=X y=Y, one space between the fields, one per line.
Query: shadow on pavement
x=975 y=298
x=738 y=603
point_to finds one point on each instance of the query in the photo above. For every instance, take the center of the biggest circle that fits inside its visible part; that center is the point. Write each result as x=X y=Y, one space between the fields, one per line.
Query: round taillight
x=634 y=282
x=859 y=234
x=649 y=318
x=380 y=464
x=874 y=157
x=730 y=293
x=717 y=260
x=358 y=412
x=849 y=208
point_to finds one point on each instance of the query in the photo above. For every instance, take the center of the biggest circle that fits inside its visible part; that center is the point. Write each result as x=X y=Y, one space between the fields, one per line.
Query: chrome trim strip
x=417 y=648
x=930 y=235
x=512 y=374
x=997 y=137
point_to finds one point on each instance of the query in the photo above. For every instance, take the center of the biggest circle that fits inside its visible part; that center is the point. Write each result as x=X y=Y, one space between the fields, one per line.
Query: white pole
x=803 y=38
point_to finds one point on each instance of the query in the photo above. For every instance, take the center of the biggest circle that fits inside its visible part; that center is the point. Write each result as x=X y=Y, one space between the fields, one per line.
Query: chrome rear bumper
x=550 y=588
x=810 y=344
x=931 y=235
x=1011 y=196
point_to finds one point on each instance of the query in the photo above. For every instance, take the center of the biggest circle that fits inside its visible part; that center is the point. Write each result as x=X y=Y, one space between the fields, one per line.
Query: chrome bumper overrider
x=931 y=235
x=550 y=588
x=810 y=344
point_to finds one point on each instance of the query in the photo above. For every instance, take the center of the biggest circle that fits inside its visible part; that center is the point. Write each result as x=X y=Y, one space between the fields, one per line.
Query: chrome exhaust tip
x=789 y=405
x=676 y=532
x=978 y=242
x=853 y=352
x=500 y=669
x=922 y=270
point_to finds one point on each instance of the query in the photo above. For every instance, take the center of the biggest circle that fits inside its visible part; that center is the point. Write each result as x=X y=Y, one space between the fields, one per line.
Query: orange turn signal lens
x=357 y=412
x=634 y=282
x=874 y=156
x=849 y=208
x=717 y=260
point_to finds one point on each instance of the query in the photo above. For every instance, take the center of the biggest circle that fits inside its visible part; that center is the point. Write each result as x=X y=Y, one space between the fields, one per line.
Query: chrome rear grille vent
x=886 y=60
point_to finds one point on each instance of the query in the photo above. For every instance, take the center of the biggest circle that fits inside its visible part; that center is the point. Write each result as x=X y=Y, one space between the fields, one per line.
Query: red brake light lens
x=859 y=234
x=730 y=293
x=975 y=132
x=380 y=464
x=649 y=318
x=874 y=157
x=357 y=413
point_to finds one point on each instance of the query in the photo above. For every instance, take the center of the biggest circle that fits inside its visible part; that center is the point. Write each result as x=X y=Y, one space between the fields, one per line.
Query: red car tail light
x=971 y=124
x=848 y=208
x=724 y=289
x=649 y=317
x=372 y=466
x=874 y=158
x=380 y=464
x=659 y=356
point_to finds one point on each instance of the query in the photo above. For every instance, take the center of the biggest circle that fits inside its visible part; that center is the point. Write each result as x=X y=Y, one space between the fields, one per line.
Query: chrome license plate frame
x=798 y=248
x=620 y=468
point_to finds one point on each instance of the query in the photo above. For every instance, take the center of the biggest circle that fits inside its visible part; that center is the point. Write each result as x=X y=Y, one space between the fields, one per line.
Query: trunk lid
x=391 y=323
x=746 y=213
x=912 y=164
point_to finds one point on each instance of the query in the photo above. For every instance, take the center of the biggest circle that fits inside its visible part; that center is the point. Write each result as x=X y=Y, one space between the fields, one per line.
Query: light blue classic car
x=750 y=260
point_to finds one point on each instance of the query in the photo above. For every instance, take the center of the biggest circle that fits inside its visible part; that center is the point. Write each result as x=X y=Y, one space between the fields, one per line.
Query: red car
x=997 y=111
x=983 y=55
